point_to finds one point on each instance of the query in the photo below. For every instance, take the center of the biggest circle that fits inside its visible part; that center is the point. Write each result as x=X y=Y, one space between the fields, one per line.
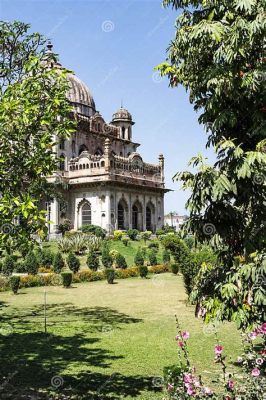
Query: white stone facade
x=108 y=183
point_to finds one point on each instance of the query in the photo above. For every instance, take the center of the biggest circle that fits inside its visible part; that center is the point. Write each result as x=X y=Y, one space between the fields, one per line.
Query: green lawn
x=104 y=341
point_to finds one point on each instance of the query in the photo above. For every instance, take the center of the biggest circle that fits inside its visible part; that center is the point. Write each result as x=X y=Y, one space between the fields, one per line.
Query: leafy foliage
x=14 y=283
x=93 y=261
x=139 y=259
x=73 y=263
x=121 y=261
x=67 y=279
x=34 y=112
x=64 y=226
x=133 y=234
x=94 y=229
x=143 y=271
x=8 y=265
x=31 y=264
x=58 y=263
x=110 y=275
x=153 y=258
x=107 y=259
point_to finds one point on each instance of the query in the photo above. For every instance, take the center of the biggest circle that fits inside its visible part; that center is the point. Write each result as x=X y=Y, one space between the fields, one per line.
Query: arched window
x=62 y=144
x=123 y=132
x=73 y=148
x=98 y=152
x=148 y=219
x=82 y=148
x=86 y=214
x=62 y=162
x=121 y=216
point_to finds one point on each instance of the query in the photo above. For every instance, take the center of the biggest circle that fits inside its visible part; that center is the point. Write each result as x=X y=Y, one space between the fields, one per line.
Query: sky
x=113 y=46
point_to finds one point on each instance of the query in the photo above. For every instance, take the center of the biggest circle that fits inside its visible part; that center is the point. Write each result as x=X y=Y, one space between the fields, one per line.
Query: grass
x=103 y=341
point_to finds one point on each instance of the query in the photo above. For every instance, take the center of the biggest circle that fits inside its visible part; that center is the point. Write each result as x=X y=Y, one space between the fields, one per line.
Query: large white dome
x=80 y=96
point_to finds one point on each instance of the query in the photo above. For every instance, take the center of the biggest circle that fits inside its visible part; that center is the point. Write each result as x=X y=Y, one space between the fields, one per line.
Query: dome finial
x=121 y=103
x=49 y=47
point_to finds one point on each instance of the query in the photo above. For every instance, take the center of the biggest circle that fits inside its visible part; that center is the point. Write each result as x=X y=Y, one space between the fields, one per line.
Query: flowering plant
x=182 y=382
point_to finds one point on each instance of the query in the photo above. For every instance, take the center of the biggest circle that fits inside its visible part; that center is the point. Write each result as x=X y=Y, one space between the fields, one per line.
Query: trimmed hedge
x=159 y=269
x=14 y=283
x=67 y=279
x=110 y=275
x=143 y=271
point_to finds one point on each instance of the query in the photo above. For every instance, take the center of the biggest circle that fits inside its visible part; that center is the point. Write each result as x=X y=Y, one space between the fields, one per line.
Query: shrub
x=31 y=264
x=152 y=258
x=106 y=257
x=8 y=265
x=44 y=270
x=125 y=240
x=118 y=235
x=45 y=257
x=127 y=273
x=67 y=279
x=154 y=245
x=20 y=267
x=143 y=271
x=110 y=275
x=175 y=268
x=4 y=284
x=146 y=235
x=14 y=283
x=64 y=226
x=121 y=261
x=88 y=276
x=93 y=261
x=73 y=263
x=190 y=241
x=139 y=259
x=133 y=234
x=159 y=269
x=166 y=257
x=58 y=263
x=94 y=229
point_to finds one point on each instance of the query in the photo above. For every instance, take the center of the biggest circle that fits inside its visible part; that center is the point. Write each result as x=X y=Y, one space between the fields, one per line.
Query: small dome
x=79 y=94
x=122 y=115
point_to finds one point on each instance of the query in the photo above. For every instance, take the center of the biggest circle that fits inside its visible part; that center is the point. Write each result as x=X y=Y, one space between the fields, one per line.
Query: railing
x=90 y=165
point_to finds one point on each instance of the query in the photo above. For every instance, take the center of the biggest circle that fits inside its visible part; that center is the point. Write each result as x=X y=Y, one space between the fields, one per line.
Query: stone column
x=107 y=153
x=161 y=164
x=54 y=216
x=144 y=213
x=108 y=225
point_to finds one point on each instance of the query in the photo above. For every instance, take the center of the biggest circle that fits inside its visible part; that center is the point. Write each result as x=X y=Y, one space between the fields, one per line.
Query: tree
x=34 y=116
x=73 y=263
x=218 y=55
x=139 y=258
x=93 y=261
x=58 y=263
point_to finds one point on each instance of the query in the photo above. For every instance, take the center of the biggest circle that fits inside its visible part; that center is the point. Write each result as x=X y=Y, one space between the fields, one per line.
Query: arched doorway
x=86 y=214
x=148 y=219
x=137 y=216
x=122 y=212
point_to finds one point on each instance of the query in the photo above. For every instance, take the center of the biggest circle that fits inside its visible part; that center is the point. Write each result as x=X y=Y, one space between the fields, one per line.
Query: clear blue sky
x=113 y=46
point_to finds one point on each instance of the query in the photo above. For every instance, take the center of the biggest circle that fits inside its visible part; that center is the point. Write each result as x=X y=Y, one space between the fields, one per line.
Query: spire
x=121 y=103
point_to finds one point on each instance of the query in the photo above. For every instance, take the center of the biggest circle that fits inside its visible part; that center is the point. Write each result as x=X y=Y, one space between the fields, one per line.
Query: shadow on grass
x=30 y=361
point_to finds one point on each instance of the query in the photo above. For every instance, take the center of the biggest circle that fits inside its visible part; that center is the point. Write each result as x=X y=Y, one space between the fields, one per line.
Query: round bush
x=139 y=259
x=166 y=257
x=143 y=271
x=106 y=257
x=153 y=245
x=121 y=261
x=174 y=268
x=31 y=264
x=93 y=261
x=153 y=258
x=45 y=258
x=125 y=240
x=67 y=278
x=8 y=265
x=14 y=283
x=132 y=234
x=73 y=263
x=58 y=263
x=110 y=275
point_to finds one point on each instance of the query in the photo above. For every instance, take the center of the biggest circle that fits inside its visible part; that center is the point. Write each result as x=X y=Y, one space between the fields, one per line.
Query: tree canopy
x=34 y=116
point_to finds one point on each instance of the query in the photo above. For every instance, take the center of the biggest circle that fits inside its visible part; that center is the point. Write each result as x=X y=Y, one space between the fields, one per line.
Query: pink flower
x=218 y=349
x=180 y=343
x=190 y=390
x=208 y=391
x=230 y=384
x=255 y=372
x=259 y=361
x=263 y=328
x=187 y=378
x=253 y=335
x=196 y=384
x=185 y=335
x=177 y=337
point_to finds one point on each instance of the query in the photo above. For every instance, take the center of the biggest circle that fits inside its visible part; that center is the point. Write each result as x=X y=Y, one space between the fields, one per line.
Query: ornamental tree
x=34 y=115
x=218 y=55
